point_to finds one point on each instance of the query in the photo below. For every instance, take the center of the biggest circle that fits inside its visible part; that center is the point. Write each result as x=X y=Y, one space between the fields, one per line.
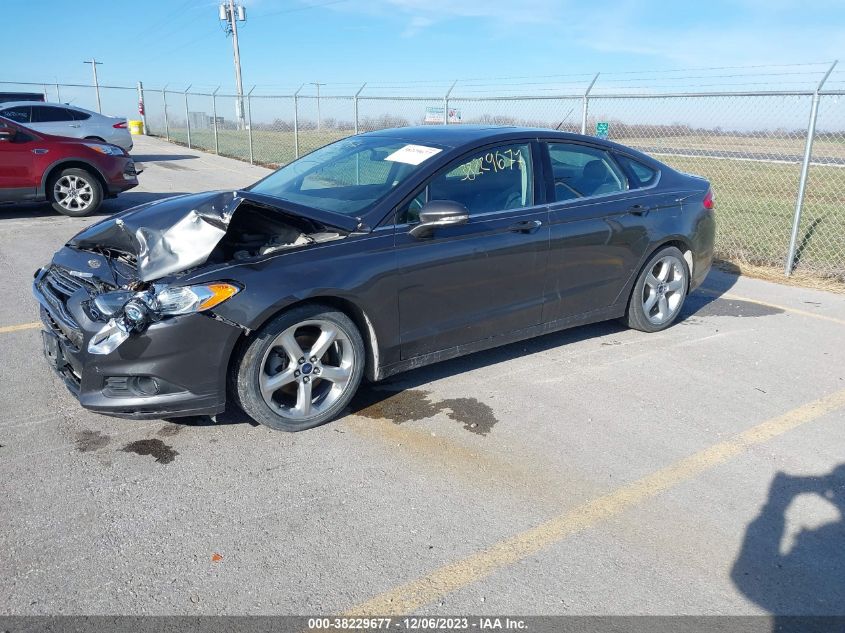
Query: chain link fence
x=754 y=169
x=749 y=145
x=821 y=242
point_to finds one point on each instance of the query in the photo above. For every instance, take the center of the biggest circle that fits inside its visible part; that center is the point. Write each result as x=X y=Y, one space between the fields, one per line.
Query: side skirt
x=596 y=316
x=19 y=194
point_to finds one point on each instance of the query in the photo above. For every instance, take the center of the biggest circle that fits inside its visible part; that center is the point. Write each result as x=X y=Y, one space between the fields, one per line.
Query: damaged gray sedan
x=379 y=253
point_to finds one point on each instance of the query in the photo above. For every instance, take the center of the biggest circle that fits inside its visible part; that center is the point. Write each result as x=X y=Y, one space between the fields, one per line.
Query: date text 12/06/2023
x=430 y=624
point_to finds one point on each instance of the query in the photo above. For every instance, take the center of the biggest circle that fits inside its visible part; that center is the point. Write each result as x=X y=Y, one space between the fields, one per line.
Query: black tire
x=92 y=196
x=637 y=315
x=95 y=138
x=253 y=362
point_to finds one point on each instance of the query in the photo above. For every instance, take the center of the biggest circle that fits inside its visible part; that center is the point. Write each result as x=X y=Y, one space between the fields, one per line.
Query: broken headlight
x=110 y=303
x=129 y=312
x=108 y=338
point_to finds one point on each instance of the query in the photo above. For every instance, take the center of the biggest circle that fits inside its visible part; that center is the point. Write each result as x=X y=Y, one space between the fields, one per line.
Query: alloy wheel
x=73 y=193
x=664 y=289
x=306 y=369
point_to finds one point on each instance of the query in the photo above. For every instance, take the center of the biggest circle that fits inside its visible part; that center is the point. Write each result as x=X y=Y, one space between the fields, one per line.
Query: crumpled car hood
x=175 y=234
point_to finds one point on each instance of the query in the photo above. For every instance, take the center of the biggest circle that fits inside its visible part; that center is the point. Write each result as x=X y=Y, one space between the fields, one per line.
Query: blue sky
x=401 y=42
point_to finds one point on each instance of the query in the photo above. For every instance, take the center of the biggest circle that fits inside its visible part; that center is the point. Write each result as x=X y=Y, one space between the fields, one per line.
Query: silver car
x=62 y=119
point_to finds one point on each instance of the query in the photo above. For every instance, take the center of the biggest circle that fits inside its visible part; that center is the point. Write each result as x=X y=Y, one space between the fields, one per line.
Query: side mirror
x=438 y=213
x=7 y=133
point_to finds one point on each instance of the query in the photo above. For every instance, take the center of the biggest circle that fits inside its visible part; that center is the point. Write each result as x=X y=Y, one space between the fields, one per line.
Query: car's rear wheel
x=659 y=292
x=95 y=138
x=75 y=192
x=301 y=370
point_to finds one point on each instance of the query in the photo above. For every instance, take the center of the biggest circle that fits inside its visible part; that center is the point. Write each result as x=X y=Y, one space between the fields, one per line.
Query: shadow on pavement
x=804 y=577
x=369 y=394
x=697 y=304
x=709 y=302
x=124 y=201
x=157 y=158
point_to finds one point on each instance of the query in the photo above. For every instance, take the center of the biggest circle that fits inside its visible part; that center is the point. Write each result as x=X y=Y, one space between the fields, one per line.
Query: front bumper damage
x=175 y=367
x=123 y=325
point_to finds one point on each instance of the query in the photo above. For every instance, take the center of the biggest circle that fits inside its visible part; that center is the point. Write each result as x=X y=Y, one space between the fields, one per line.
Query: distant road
x=763 y=157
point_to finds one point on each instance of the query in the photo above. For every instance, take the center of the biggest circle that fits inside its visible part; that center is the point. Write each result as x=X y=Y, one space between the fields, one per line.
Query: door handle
x=526 y=226
x=639 y=209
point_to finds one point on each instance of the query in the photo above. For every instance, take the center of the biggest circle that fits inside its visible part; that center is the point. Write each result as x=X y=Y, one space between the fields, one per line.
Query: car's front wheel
x=659 y=292
x=301 y=369
x=75 y=192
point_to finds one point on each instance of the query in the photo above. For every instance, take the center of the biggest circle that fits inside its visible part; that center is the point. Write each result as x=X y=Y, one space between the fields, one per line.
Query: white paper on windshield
x=413 y=154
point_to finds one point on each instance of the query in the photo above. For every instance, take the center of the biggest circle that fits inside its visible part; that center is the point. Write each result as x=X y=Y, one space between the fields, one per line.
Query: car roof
x=448 y=135
x=460 y=135
x=7 y=104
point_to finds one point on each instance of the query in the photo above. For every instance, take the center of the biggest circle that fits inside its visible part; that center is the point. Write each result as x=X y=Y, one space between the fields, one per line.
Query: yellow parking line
x=21 y=326
x=411 y=596
x=807 y=313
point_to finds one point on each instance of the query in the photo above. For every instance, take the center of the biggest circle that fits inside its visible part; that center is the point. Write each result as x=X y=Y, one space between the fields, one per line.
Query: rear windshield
x=347 y=176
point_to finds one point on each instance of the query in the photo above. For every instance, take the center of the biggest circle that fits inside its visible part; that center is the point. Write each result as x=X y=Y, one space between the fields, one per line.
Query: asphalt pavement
x=594 y=471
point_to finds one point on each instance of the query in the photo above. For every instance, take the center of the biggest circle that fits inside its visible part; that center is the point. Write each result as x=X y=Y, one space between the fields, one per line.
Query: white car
x=62 y=119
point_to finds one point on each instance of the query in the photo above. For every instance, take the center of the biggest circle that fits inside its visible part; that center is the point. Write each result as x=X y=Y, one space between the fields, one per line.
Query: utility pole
x=94 y=63
x=319 y=119
x=233 y=13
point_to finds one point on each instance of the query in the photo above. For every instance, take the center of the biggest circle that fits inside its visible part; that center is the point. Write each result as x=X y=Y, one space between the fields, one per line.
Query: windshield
x=347 y=176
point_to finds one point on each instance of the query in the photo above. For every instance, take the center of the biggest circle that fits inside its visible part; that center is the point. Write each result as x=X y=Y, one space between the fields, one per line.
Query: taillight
x=709 y=200
x=120 y=126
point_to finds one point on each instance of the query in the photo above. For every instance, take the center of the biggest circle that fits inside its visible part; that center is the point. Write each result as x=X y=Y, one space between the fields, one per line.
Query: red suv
x=73 y=175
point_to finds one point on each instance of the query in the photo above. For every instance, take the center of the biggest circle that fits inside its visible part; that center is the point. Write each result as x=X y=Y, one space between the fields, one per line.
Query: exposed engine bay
x=256 y=231
x=139 y=249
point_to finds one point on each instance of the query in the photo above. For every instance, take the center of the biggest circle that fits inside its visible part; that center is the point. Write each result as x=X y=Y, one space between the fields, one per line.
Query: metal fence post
x=446 y=103
x=141 y=109
x=58 y=94
x=187 y=119
x=805 y=169
x=296 y=122
x=586 y=103
x=214 y=119
x=356 y=108
x=166 y=122
x=249 y=123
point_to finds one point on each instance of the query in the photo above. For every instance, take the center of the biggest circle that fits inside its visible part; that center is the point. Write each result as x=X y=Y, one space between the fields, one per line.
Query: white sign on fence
x=434 y=114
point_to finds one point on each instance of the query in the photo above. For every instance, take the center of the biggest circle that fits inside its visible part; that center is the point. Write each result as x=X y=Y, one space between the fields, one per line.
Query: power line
x=178 y=48
x=302 y=8
x=152 y=29
x=175 y=25
x=699 y=68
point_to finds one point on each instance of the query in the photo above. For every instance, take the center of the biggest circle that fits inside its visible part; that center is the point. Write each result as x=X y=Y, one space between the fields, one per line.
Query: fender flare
x=42 y=187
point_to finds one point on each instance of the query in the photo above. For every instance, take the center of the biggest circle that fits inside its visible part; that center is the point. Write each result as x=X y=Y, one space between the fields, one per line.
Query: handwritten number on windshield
x=493 y=161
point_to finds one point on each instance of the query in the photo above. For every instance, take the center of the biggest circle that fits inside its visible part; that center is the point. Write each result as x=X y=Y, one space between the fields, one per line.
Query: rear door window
x=644 y=176
x=18 y=114
x=50 y=114
x=78 y=115
x=581 y=171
